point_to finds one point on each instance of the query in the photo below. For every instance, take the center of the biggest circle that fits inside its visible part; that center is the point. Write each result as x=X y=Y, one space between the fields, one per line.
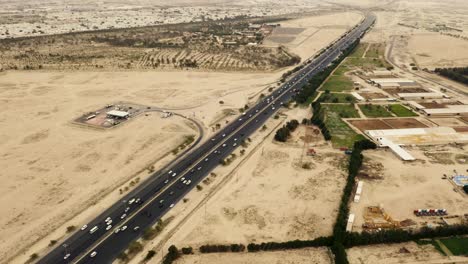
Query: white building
x=117 y=114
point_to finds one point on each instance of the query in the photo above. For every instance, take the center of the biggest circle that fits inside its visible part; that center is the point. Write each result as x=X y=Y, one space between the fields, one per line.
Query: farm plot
x=342 y=134
x=374 y=124
x=401 y=111
x=398 y=123
x=370 y=110
x=337 y=98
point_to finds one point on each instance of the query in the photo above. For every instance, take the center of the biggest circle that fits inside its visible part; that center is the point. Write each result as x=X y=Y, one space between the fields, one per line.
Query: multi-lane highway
x=111 y=232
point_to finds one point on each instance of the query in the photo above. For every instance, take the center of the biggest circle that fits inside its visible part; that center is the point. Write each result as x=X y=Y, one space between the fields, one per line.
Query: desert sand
x=312 y=256
x=45 y=157
x=401 y=187
x=305 y=36
x=396 y=253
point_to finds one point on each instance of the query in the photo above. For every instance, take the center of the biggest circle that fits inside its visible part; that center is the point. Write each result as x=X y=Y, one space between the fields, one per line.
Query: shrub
x=187 y=250
x=150 y=254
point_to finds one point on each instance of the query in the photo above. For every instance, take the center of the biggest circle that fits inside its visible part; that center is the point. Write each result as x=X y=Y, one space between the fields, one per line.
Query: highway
x=147 y=203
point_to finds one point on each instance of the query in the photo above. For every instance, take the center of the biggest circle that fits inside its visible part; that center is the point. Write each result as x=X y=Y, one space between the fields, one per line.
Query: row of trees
x=459 y=74
x=339 y=230
x=399 y=236
x=222 y=248
x=318 y=120
x=284 y=132
x=314 y=83
x=295 y=244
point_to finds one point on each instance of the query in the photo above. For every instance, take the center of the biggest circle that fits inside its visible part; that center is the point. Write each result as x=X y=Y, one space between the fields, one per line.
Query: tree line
x=314 y=83
x=458 y=74
x=339 y=230
x=284 y=132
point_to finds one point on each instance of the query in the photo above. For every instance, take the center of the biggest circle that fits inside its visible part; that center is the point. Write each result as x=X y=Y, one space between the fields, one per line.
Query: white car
x=170 y=172
x=127 y=209
x=136 y=228
x=188 y=182
x=162 y=201
x=107 y=219
x=123 y=216
x=224 y=135
x=174 y=174
x=235 y=139
x=235 y=144
x=108 y=227
x=123 y=228
x=172 y=205
x=109 y=222
x=166 y=181
x=84 y=227
x=117 y=230
x=185 y=182
x=93 y=254
x=66 y=256
x=182 y=179
x=131 y=201
x=224 y=145
x=199 y=168
x=206 y=159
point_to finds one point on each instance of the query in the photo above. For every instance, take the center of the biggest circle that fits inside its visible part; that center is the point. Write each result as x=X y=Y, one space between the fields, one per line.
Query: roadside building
x=421 y=96
x=118 y=114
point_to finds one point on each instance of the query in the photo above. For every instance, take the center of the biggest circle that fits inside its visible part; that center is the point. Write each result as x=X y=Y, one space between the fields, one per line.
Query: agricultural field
x=401 y=111
x=337 y=83
x=342 y=134
x=212 y=46
x=370 y=110
x=458 y=246
x=337 y=98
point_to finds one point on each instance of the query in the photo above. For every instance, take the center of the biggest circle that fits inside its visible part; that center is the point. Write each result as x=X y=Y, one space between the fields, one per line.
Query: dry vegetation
x=210 y=45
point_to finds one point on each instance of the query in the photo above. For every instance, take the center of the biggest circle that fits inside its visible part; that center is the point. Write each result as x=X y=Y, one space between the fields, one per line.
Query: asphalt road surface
x=100 y=242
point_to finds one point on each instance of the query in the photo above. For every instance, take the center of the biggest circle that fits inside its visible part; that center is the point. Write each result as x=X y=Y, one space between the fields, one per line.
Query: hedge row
x=339 y=230
x=314 y=83
x=222 y=248
x=269 y=246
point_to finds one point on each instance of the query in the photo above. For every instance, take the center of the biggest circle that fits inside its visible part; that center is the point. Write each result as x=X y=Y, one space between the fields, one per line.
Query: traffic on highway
x=110 y=233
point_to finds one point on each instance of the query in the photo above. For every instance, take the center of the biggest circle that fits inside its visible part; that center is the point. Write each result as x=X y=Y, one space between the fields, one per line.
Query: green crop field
x=457 y=245
x=338 y=83
x=337 y=98
x=342 y=134
x=401 y=111
x=374 y=111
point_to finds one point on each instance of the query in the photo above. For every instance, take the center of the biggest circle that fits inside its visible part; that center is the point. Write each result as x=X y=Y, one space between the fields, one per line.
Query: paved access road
x=145 y=205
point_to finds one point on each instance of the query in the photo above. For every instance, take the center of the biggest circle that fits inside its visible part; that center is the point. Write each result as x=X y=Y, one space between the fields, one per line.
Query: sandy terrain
x=305 y=36
x=37 y=18
x=402 y=187
x=386 y=254
x=47 y=157
x=263 y=196
x=271 y=198
x=433 y=50
x=311 y=256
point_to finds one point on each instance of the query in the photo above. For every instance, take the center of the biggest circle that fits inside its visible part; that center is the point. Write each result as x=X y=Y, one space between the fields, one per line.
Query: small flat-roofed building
x=358 y=96
x=416 y=106
x=117 y=114
x=420 y=96
x=449 y=110
x=393 y=80
x=389 y=85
